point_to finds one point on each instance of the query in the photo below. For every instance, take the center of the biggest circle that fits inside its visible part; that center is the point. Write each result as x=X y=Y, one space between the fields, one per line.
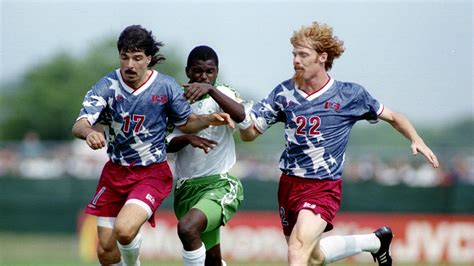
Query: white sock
x=338 y=247
x=131 y=251
x=223 y=263
x=194 y=257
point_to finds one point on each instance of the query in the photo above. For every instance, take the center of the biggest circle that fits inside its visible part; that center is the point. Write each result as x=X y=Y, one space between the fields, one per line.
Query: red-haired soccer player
x=318 y=113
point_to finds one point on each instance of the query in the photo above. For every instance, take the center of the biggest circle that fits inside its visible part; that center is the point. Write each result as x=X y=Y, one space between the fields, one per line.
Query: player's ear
x=323 y=57
x=187 y=71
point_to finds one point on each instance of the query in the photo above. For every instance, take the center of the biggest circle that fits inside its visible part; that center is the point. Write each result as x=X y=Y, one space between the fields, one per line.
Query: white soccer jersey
x=192 y=162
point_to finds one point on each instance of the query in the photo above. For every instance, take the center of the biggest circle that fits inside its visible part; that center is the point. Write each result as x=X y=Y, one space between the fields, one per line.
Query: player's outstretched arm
x=179 y=142
x=196 y=123
x=194 y=91
x=94 y=136
x=249 y=134
x=405 y=127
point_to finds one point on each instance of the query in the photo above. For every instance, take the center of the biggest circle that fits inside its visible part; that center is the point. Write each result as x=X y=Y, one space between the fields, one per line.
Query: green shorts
x=217 y=196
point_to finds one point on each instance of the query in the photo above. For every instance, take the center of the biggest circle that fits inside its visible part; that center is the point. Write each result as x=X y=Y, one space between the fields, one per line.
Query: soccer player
x=206 y=196
x=318 y=113
x=133 y=104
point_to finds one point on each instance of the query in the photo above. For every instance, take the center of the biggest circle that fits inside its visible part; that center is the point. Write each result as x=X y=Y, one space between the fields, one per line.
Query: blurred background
x=415 y=57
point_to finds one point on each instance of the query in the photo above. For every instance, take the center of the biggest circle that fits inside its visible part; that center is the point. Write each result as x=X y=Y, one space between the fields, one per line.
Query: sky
x=416 y=57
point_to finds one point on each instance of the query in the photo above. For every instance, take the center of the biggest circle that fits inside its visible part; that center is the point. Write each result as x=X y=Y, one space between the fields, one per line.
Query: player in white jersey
x=133 y=105
x=206 y=196
x=318 y=113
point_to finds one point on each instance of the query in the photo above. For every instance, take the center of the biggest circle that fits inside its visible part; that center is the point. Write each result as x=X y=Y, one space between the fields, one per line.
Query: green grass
x=62 y=250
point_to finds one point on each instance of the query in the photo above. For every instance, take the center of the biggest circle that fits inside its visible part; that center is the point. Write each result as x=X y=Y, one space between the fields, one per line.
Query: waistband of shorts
x=203 y=179
x=293 y=178
x=138 y=166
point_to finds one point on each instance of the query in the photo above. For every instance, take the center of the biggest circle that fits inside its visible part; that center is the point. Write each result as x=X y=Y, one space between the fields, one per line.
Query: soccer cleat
x=383 y=254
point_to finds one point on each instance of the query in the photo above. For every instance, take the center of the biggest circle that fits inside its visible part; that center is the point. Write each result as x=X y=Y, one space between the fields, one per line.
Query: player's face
x=203 y=72
x=134 y=67
x=307 y=63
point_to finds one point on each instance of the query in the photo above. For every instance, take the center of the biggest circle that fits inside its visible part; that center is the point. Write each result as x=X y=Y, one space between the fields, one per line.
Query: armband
x=248 y=120
x=246 y=123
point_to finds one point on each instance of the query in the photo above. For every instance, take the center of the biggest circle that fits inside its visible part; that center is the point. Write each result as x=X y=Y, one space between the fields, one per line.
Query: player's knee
x=187 y=230
x=316 y=260
x=124 y=234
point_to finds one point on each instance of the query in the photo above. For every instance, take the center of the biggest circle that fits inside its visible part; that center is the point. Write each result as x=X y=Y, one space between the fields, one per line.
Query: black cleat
x=383 y=255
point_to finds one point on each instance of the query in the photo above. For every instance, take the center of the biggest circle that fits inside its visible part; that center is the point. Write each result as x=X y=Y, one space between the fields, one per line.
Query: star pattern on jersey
x=290 y=132
x=290 y=135
x=95 y=101
x=319 y=137
x=117 y=128
x=143 y=150
x=331 y=160
x=259 y=120
x=288 y=95
x=268 y=108
x=146 y=133
x=317 y=156
x=115 y=86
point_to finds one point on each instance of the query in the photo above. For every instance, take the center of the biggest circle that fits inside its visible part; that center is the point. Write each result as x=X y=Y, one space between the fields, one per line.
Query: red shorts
x=150 y=184
x=320 y=196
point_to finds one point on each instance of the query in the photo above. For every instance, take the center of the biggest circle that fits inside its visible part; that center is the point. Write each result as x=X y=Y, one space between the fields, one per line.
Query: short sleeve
x=267 y=112
x=178 y=108
x=95 y=101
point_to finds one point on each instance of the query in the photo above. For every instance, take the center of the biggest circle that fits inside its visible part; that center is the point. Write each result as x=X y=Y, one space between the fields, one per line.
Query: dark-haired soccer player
x=133 y=103
x=206 y=196
x=318 y=113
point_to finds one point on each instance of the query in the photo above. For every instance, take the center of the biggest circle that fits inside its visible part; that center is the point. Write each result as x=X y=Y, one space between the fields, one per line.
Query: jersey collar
x=313 y=96
x=142 y=88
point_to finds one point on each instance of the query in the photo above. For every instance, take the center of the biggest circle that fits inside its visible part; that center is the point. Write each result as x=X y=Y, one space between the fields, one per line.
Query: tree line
x=47 y=99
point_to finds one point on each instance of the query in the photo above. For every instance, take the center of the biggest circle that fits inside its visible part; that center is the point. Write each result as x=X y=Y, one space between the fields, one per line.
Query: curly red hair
x=320 y=37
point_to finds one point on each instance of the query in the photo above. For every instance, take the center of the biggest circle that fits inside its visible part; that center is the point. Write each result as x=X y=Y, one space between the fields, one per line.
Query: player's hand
x=202 y=143
x=95 y=140
x=426 y=151
x=220 y=119
x=194 y=91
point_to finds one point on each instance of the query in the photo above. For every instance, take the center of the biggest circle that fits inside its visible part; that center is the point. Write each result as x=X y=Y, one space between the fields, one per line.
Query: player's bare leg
x=304 y=238
x=107 y=250
x=213 y=256
x=335 y=248
x=126 y=230
x=190 y=227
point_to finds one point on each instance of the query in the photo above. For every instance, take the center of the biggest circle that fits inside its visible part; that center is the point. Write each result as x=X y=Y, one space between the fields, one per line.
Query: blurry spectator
x=35 y=162
x=424 y=177
x=31 y=145
x=32 y=158
x=85 y=162
x=462 y=170
x=8 y=161
x=389 y=174
x=41 y=167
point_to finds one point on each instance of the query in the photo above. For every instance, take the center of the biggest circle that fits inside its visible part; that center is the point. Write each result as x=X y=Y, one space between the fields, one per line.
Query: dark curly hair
x=135 y=38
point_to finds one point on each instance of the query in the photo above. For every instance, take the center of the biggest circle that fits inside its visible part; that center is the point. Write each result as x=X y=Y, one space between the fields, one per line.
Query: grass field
x=61 y=250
